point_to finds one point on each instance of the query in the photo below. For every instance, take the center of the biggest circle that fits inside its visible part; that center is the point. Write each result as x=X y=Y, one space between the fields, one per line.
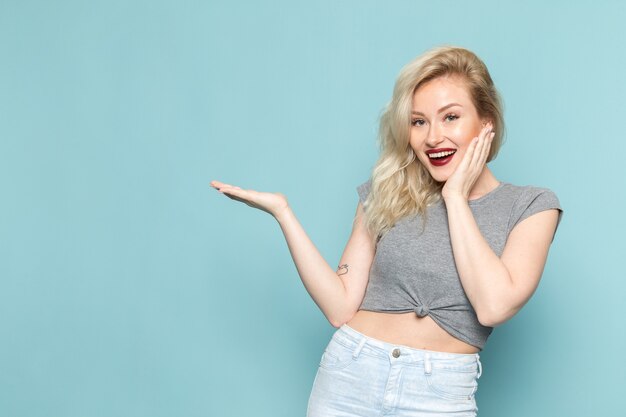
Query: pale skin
x=497 y=287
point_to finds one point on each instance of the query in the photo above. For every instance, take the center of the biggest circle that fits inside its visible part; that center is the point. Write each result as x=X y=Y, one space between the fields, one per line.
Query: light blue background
x=129 y=287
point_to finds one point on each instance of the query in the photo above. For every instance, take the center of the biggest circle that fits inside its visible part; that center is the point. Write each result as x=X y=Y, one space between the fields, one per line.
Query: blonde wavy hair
x=401 y=186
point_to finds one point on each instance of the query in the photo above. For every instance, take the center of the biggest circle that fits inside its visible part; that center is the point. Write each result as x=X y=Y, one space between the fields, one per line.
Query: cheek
x=417 y=139
x=462 y=136
x=462 y=130
x=458 y=130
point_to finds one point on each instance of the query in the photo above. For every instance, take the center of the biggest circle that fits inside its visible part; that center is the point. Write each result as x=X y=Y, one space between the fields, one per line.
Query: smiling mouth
x=439 y=157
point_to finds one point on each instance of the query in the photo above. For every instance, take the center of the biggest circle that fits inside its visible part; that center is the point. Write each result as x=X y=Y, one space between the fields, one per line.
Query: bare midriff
x=408 y=329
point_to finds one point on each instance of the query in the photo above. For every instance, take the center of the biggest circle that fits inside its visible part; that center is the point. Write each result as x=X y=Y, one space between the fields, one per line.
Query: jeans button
x=396 y=353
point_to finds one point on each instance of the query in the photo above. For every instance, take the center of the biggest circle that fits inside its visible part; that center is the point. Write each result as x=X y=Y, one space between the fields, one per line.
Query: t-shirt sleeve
x=363 y=190
x=534 y=200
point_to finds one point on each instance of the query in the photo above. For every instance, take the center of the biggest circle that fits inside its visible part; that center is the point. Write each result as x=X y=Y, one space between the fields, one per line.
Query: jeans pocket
x=336 y=356
x=452 y=384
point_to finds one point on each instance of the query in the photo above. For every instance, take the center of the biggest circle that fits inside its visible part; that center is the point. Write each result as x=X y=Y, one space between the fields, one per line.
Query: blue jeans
x=362 y=376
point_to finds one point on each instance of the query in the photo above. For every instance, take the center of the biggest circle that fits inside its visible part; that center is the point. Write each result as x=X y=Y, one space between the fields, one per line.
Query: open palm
x=272 y=203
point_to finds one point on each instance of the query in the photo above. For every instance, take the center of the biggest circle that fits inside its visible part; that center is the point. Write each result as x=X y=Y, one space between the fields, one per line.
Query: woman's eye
x=453 y=116
x=417 y=122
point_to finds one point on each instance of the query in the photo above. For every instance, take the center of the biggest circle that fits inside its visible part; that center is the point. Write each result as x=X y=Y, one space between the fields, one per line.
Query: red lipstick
x=440 y=161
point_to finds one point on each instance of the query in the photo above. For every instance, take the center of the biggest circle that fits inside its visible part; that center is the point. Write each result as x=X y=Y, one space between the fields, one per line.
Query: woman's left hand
x=464 y=177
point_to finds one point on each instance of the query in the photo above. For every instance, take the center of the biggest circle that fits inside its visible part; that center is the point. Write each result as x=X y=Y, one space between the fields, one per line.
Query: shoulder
x=364 y=189
x=525 y=191
x=529 y=200
x=365 y=186
x=526 y=195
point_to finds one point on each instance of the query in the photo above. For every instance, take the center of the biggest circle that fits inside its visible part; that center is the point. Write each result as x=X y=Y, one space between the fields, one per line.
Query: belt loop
x=480 y=366
x=357 y=351
x=427 y=365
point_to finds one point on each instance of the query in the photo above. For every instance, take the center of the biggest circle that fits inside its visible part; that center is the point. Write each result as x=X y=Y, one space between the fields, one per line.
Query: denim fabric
x=362 y=376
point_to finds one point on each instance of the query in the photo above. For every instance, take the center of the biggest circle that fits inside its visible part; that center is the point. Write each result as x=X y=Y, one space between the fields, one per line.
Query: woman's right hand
x=272 y=203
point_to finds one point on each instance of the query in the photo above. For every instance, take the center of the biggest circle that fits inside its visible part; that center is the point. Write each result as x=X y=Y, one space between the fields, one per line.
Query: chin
x=439 y=177
x=439 y=174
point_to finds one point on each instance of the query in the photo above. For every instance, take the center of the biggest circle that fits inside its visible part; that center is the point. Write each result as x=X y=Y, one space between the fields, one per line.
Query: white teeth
x=440 y=154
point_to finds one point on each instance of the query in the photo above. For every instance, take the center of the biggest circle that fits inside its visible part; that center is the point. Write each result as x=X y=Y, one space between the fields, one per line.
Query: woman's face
x=443 y=123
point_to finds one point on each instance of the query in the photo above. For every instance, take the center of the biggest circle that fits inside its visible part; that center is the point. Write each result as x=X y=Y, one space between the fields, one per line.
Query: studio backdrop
x=129 y=287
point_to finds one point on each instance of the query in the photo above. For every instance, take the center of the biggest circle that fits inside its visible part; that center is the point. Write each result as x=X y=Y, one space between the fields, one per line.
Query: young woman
x=440 y=253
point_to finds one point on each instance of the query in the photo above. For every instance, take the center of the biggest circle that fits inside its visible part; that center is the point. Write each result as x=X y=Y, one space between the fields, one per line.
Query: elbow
x=490 y=317
x=488 y=321
x=340 y=320
x=493 y=318
x=336 y=323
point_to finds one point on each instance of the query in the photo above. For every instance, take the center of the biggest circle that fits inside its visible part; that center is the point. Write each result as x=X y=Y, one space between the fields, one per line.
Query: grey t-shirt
x=414 y=270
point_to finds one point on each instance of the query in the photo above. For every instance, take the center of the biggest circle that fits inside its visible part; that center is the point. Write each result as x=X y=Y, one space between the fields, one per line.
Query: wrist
x=451 y=198
x=455 y=201
x=283 y=213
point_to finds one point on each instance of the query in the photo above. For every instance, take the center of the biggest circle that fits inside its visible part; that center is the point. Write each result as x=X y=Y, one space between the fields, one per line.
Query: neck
x=485 y=183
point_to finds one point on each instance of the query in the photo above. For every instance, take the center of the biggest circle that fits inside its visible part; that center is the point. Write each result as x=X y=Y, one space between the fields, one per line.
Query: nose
x=435 y=136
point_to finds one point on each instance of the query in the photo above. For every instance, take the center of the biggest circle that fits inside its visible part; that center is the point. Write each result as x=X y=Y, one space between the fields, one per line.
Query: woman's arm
x=337 y=293
x=496 y=287
x=499 y=287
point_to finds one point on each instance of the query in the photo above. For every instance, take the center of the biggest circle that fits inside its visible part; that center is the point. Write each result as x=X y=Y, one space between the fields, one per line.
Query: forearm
x=319 y=279
x=484 y=277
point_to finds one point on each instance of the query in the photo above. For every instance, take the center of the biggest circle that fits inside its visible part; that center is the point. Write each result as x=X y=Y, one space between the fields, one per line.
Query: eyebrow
x=440 y=110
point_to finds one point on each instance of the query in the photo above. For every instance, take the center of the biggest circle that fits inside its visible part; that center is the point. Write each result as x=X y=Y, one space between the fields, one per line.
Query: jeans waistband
x=359 y=342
